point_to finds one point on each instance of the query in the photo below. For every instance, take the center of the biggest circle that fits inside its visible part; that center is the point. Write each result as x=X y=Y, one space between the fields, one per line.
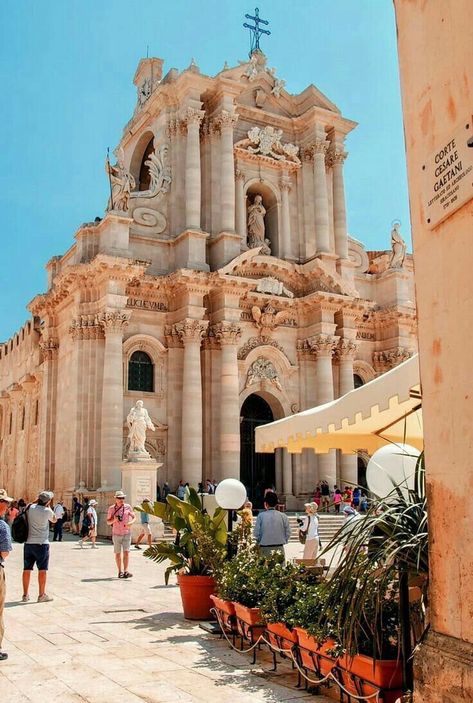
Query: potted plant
x=197 y=552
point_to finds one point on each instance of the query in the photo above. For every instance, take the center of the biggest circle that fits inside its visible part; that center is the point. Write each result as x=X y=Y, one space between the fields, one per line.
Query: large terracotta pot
x=195 y=595
x=314 y=655
x=280 y=636
x=382 y=674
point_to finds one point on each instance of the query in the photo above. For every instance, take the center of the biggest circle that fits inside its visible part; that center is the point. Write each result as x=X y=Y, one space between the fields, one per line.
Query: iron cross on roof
x=256 y=30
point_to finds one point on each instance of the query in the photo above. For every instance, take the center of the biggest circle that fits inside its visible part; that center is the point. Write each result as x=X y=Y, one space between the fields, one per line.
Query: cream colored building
x=221 y=287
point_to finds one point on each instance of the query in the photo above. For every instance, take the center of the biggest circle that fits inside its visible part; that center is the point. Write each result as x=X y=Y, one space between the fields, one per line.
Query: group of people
x=339 y=497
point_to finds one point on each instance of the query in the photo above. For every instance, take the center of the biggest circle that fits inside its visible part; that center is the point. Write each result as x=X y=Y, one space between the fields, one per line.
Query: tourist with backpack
x=38 y=515
x=5 y=549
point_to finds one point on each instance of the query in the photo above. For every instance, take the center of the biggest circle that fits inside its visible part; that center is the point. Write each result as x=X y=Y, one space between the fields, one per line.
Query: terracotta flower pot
x=226 y=613
x=195 y=595
x=226 y=606
x=314 y=655
x=383 y=675
x=280 y=636
x=252 y=616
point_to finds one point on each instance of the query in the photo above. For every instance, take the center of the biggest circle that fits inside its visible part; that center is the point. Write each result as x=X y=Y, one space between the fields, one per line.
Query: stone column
x=113 y=324
x=240 y=206
x=322 y=346
x=345 y=353
x=227 y=120
x=337 y=157
x=322 y=228
x=193 y=118
x=228 y=334
x=47 y=406
x=286 y=472
x=190 y=333
x=278 y=470
x=285 y=242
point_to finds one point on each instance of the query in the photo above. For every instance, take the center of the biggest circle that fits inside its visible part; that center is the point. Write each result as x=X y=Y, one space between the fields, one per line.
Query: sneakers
x=81 y=544
x=137 y=546
x=25 y=599
x=44 y=598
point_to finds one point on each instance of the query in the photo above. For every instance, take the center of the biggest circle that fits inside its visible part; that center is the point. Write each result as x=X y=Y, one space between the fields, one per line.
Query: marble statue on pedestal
x=121 y=182
x=256 y=227
x=138 y=422
x=398 y=246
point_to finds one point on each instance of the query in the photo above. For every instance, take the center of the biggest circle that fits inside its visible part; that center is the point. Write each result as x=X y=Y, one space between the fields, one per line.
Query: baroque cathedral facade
x=221 y=287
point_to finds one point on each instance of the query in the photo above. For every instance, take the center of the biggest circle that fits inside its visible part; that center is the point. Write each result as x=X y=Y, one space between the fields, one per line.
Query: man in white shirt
x=36 y=550
x=91 y=516
x=59 y=513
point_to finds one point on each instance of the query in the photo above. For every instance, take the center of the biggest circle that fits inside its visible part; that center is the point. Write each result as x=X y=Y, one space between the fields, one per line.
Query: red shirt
x=125 y=514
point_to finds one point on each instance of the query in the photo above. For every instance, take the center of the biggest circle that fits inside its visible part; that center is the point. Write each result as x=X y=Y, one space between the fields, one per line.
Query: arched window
x=140 y=372
x=145 y=177
x=357 y=381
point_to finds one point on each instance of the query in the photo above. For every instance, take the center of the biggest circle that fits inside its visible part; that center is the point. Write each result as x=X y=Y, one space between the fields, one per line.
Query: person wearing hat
x=351 y=518
x=36 y=550
x=310 y=526
x=5 y=549
x=145 y=530
x=92 y=525
x=120 y=517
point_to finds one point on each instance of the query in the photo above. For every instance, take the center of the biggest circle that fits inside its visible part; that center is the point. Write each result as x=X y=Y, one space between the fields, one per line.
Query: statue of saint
x=398 y=246
x=122 y=183
x=256 y=228
x=138 y=422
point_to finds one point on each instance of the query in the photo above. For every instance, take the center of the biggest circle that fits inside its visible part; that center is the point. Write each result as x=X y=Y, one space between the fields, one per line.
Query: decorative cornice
x=226 y=333
x=386 y=360
x=85 y=327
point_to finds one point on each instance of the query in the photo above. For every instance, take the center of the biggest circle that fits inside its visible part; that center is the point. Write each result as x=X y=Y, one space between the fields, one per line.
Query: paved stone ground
x=104 y=639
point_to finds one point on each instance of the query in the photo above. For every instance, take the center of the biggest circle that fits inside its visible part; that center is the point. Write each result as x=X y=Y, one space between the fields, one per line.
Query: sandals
x=127 y=575
x=121 y=575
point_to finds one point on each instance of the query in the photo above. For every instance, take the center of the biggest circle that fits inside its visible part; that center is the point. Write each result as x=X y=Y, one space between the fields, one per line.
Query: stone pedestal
x=139 y=479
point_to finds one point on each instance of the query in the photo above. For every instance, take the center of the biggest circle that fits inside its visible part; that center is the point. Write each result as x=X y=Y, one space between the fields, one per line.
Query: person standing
x=181 y=490
x=120 y=517
x=92 y=525
x=166 y=491
x=145 y=529
x=59 y=513
x=310 y=526
x=272 y=529
x=5 y=549
x=36 y=550
x=325 y=495
x=76 y=511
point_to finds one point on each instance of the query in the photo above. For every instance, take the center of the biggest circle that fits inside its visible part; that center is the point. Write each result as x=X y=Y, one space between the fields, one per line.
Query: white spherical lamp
x=392 y=465
x=230 y=494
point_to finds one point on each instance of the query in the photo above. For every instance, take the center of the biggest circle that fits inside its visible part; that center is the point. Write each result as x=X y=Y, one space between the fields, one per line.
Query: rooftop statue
x=121 y=183
x=398 y=246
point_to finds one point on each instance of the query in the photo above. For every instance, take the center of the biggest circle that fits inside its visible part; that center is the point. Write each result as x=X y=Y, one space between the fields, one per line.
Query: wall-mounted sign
x=448 y=176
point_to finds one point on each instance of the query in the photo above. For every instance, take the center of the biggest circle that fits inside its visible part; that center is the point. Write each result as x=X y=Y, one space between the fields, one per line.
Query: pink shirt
x=125 y=512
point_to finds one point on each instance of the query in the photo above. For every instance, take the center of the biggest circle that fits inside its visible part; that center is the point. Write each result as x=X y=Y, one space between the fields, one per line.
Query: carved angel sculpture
x=159 y=170
x=122 y=183
x=267 y=319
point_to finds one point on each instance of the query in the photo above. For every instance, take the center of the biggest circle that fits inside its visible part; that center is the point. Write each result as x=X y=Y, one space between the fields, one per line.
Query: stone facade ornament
x=267 y=319
x=398 y=246
x=148 y=221
x=346 y=349
x=279 y=84
x=85 y=327
x=273 y=286
x=254 y=342
x=122 y=183
x=263 y=370
x=323 y=344
x=138 y=422
x=226 y=333
x=49 y=348
x=386 y=360
x=159 y=171
x=190 y=330
x=114 y=321
x=256 y=226
x=267 y=142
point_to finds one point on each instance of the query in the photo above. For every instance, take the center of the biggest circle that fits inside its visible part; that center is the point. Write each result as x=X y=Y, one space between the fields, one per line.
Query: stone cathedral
x=221 y=287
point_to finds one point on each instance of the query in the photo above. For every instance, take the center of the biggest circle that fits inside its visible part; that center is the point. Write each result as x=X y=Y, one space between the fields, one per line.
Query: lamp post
x=230 y=495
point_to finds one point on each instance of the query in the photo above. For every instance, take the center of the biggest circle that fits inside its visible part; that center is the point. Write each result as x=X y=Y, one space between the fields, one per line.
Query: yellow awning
x=387 y=409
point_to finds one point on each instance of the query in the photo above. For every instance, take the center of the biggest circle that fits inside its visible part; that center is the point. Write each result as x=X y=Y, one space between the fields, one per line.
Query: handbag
x=303 y=534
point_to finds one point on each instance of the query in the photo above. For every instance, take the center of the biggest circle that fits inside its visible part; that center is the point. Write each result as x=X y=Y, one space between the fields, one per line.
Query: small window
x=36 y=412
x=357 y=381
x=140 y=372
x=23 y=419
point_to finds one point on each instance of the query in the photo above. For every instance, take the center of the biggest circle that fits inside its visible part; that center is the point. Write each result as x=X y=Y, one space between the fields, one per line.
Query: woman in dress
x=310 y=526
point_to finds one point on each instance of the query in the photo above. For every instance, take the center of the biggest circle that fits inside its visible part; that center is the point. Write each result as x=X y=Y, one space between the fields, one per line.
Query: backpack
x=303 y=534
x=19 y=527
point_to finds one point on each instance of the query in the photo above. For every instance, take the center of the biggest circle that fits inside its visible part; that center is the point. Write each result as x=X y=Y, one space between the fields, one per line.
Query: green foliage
x=200 y=545
x=288 y=583
x=246 y=576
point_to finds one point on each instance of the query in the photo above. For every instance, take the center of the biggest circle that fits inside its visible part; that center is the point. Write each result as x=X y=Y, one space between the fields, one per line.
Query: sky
x=66 y=70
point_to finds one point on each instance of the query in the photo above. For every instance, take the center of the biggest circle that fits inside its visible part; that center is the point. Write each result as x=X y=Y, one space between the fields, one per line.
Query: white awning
x=387 y=409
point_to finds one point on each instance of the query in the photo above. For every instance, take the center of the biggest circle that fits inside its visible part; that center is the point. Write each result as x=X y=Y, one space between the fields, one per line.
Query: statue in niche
x=256 y=227
x=159 y=170
x=121 y=183
x=138 y=422
x=398 y=246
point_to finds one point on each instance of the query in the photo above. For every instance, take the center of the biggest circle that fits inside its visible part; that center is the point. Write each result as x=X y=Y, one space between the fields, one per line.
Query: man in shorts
x=36 y=550
x=145 y=530
x=92 y=525
x=121 y=516
x=5 y=549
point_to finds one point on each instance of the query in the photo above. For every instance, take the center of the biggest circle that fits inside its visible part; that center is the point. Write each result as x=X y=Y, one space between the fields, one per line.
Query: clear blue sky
x=66 y=70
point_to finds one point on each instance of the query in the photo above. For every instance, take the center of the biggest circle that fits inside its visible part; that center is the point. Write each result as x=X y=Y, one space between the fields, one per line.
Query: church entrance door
x=257 y=471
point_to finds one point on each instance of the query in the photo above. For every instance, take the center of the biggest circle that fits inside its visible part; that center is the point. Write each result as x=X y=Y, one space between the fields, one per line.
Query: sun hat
x=4 y=497
x=313 y=506
x=93 y=502
x=120 y=494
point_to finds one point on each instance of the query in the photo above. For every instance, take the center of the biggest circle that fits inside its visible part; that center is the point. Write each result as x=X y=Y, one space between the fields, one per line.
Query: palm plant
x=383 y=552
x=200 y=545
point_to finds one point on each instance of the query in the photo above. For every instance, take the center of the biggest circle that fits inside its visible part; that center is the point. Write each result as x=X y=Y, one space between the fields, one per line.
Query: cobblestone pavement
x=104 y=639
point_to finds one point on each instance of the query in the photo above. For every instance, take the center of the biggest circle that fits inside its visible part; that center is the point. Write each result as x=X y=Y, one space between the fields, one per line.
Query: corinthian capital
x=190 y=330
x=226 y=333
x=49 y=348
x=226 y=119
x=319 y=146
x=113 y=321
x=322 y=344
x=336 y=155
x=192 y=116
x=346 y=349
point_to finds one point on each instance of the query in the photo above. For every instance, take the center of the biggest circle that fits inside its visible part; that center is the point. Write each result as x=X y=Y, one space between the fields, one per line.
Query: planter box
x=313 y=655
x=280 y=636
x=195 y=595
x=226 y=612
x=363 y=675
x=250 y=623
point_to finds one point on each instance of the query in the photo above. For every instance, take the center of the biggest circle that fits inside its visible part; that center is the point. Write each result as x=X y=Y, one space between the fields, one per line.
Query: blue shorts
x=36 y=554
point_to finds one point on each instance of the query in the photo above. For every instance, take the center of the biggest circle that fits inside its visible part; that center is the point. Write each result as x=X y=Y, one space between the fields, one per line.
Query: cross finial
x=256 y=30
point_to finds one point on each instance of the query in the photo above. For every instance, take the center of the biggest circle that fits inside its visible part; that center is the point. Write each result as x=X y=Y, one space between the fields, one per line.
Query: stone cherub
x=122 y=183
x=138 y=421
x=267 y=319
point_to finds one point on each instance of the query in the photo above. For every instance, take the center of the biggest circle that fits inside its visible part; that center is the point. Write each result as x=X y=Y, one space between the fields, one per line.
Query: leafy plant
x=286 y=591
x=246 y=576
x=200 y=545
